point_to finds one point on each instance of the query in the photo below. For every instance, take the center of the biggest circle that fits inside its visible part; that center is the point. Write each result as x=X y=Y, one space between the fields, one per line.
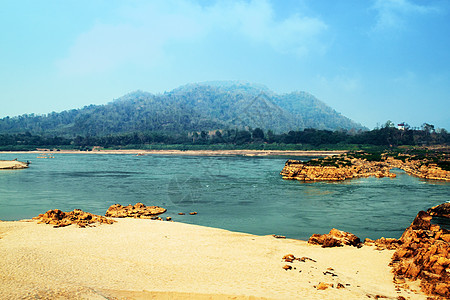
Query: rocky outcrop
x=383 y=243
x=58 y=218
x=138 y=210
x=354 y=165
x=424 y=255
x=336 y=238
x=442 y=211
x=296 y=170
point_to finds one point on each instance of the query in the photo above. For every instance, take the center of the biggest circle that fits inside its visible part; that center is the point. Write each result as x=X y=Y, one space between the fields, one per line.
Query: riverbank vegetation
x=256 y=139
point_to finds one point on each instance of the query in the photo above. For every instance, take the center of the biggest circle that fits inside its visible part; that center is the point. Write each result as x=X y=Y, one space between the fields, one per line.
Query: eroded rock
x=425 y=255
x=383 y=243
x=58 y=218
x=442 y=210
x=138 y=210
x=356 y=165
x=335 y=238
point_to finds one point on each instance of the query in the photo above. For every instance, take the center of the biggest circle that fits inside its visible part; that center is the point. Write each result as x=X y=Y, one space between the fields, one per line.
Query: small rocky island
x=12 y=165
x=423 y=163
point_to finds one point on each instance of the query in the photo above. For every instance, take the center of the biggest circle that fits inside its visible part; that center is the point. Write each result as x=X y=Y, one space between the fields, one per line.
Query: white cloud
x=142 y=35
x=393 y=14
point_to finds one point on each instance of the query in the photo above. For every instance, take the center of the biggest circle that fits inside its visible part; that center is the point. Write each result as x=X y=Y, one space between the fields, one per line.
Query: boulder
x=335 y=238
x=138 y=210
x=58 y=218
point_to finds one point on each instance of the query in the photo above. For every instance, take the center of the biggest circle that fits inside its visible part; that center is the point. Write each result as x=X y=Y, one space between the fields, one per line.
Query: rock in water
x=138 y=210
x=336 y=238
x=442 y=211
x=425 y=255
x=59 y=218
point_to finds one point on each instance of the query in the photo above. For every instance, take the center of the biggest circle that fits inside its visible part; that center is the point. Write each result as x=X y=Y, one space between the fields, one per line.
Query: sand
x=12 y=164
x=146 y=259
x=197 y=152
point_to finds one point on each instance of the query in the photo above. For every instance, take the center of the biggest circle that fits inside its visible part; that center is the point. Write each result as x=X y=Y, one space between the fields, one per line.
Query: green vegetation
x=308 y=139
x=422 y=155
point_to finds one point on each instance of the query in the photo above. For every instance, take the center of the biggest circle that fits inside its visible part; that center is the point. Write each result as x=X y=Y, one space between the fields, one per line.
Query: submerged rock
x=138 y=210
x=58 y=218
x=336 y=238
x=425 y=255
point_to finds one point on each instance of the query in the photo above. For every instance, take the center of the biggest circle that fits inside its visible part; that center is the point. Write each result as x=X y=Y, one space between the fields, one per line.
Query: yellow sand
x=145 y=259
x=12 y=164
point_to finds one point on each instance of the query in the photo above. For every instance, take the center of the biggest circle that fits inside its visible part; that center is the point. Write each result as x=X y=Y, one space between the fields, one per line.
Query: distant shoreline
x=196 y=152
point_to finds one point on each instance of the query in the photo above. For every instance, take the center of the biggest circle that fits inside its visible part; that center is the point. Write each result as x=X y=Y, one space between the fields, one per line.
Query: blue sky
x=372 y=61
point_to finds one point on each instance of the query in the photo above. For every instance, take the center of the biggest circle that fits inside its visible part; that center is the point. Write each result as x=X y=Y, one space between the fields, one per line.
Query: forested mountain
x=194 y=107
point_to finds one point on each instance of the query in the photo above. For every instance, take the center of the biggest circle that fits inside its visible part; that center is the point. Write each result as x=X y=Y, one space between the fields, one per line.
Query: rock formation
x=424 y=254
x=355 y=165
x=297 y=170
x=383 y=243
x=442 y=211
x=59 y=218
x=336 y=238
x=138 y=210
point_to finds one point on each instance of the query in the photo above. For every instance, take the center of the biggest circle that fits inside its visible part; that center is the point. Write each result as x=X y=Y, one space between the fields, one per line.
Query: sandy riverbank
x=145 y=259
x=197 y=152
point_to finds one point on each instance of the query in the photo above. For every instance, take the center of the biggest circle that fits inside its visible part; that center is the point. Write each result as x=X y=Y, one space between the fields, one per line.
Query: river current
x=237 y=193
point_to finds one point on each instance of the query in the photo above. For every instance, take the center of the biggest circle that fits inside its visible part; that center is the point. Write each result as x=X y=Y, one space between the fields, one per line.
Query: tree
x=389 y=124
x=243 y=137
x=258 y=134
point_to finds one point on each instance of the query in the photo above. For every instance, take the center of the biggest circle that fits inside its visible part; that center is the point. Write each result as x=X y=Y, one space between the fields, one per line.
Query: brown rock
x=59 y=218
x=289 y=258
x=278 y=236
x=323 y=286
x=335 y=238
x=287 y=267
x=138 y=210
x=304 y=259
x=424 y=255
x=383 y=243
x=442 y=210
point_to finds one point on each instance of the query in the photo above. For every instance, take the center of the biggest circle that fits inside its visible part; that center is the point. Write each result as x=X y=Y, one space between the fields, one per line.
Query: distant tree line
x=386 y=136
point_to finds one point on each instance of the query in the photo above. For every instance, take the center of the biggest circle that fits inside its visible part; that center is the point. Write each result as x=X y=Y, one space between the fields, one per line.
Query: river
x=237 y=193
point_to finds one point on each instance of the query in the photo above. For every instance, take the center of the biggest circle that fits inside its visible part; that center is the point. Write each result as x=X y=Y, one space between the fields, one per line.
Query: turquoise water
x=236 y=193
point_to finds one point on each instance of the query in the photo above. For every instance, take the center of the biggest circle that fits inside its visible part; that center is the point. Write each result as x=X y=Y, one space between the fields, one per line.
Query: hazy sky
x=372 y=61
